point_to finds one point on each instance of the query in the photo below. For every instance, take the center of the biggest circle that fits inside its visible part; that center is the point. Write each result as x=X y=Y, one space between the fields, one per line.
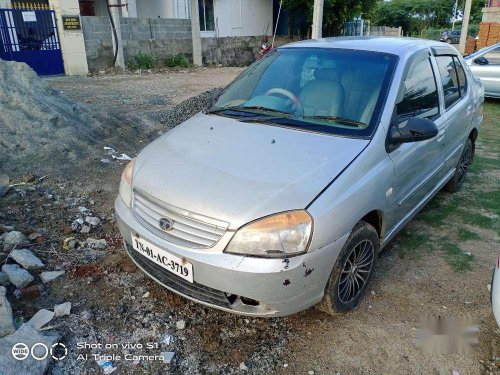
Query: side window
x=421 y=95
x=449 y=79
x=493 y=57
x=462 y=78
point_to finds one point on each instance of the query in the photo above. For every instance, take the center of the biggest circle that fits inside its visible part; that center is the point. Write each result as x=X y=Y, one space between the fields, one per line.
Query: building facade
x=221 y=18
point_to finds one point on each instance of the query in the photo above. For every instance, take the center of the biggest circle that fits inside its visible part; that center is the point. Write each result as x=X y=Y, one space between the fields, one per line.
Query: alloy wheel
x=356 y=271
x=464 y=165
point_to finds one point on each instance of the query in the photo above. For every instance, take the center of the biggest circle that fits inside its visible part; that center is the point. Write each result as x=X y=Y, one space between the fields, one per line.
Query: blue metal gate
x=31 y=36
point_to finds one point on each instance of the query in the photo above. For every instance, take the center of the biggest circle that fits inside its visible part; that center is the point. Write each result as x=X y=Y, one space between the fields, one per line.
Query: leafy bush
x=177 y=61
x=143 y=61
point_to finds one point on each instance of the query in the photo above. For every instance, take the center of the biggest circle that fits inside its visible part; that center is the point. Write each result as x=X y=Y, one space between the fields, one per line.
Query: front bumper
x=239 y=284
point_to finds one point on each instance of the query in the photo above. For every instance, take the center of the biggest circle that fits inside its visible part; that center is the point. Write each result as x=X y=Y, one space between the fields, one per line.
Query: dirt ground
x=440 y=265
x=142 y=95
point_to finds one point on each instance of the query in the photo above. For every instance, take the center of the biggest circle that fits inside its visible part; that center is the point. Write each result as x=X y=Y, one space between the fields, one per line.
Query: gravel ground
x=114 y=303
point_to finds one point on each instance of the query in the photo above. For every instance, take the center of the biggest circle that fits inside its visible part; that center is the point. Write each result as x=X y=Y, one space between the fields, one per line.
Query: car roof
x=393 y=45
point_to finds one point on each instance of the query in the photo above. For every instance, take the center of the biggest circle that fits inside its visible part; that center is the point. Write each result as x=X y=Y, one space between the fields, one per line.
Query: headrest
x=327 y=74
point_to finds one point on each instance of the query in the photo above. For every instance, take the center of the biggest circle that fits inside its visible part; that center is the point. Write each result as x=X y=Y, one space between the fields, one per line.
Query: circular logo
x=20 y=351
x=40 y=354
x=166 y=223
x=58 y=351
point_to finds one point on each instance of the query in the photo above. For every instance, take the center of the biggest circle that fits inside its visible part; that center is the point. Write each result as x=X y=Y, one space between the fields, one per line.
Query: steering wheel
x=287 y=94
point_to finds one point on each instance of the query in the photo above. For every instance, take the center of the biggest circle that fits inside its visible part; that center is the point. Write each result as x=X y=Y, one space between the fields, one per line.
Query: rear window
x=449 y=80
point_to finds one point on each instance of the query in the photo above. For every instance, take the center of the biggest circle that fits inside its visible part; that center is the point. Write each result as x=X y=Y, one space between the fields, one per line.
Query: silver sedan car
x=283 y=193
x=485 y=65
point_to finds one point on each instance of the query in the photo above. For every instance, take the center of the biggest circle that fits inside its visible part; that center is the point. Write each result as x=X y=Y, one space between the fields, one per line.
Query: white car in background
x=485 y=65
x=495 y=291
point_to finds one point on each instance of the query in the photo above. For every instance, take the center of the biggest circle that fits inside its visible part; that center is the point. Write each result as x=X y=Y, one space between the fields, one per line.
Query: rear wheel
x=456 y=182
x=352 y=271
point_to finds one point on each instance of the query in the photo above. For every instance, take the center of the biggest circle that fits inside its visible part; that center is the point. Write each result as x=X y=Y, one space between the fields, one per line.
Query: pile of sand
x=44 y=131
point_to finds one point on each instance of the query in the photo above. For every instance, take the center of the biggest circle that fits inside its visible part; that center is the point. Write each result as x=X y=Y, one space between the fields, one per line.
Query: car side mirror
x=481 y=60
x=416 y=129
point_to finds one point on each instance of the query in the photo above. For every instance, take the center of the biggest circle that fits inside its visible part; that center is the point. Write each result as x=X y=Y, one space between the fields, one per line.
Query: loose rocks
x=26 y=259
x=12 y=239
x=6 y=321
x=17 y=275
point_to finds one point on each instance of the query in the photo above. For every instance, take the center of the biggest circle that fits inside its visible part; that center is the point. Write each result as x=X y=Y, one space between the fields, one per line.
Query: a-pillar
x=72 y=42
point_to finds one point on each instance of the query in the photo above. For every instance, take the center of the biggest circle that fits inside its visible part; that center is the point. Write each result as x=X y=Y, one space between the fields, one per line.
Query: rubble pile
x=186 y=109
x=40 y=126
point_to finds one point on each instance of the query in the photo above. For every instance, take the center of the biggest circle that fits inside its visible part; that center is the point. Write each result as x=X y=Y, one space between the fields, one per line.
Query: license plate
x=178 y=266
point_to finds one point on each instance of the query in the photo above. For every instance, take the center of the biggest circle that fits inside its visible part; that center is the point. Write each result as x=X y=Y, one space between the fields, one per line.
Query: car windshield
x=327 y=90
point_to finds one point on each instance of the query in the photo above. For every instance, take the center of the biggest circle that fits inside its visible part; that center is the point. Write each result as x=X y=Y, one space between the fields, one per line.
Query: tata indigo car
x=281 y=195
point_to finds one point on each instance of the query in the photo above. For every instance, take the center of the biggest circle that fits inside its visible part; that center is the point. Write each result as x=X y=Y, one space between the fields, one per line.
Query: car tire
x=448 y=41
x=360 y=249
x=456 y=182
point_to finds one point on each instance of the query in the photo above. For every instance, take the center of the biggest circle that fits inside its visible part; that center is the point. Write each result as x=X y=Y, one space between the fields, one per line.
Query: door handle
x=441 y=134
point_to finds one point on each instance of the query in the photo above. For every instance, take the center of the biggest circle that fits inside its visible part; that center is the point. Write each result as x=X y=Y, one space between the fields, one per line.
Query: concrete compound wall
x=165 y=38
x=491 y=14
x=385 y=31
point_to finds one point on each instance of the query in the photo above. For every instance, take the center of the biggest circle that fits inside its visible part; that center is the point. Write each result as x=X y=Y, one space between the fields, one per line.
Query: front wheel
x=352 y=271
x=456 y=182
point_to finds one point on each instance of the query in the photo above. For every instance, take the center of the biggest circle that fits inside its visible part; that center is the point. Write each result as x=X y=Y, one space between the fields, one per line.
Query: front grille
x=189 y=229
x=194 y=290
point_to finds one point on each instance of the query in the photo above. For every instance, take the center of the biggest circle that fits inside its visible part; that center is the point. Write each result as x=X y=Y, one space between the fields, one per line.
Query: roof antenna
x=277 y=21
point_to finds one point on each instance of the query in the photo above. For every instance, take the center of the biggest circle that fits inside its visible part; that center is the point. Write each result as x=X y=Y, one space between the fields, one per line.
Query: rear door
x=418 y=166
x=458 y=107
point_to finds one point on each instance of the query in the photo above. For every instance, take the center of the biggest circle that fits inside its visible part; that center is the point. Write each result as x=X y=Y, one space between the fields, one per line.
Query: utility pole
x=465 y=26
x=195 y=33
x=118 y=43
x=317 y=26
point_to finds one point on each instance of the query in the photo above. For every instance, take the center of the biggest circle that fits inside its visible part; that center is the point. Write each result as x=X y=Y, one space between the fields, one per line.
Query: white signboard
x=29 y=16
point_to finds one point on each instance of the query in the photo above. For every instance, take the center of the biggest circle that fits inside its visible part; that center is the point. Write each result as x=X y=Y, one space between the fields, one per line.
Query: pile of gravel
x=186 y=109
x=41 y=129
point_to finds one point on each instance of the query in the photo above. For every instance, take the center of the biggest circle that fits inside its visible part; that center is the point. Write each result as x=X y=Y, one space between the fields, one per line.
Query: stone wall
x=385 y=31
x=164 y=38
x=98 y=42
x=235 y=51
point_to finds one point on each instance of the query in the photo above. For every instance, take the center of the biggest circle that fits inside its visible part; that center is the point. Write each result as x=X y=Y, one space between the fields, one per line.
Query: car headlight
x=126 y=183
x=277 y=236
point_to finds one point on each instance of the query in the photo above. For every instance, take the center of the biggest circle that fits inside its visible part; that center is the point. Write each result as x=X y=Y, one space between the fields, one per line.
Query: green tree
x=416 y=15
x=335 y=14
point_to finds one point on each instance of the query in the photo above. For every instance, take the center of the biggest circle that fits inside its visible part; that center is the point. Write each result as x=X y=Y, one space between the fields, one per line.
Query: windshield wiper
x=248 y=110
x=260 y=108
x=261 y=120
x=340 y=120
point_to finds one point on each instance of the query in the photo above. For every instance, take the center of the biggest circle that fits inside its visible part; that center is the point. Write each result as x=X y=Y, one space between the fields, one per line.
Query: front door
x=419 y=165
